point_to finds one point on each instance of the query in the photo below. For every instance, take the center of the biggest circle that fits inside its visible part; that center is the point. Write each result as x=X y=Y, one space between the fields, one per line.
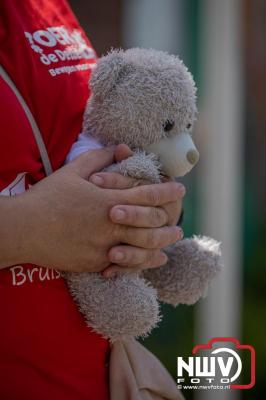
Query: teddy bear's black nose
x=193 y=156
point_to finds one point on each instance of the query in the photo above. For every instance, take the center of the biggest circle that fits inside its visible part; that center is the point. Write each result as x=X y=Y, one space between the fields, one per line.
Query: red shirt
x=46 y=349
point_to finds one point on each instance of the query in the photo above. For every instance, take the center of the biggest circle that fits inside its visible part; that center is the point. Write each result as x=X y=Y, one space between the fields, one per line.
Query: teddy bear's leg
x=192 y=264
x=119 y=307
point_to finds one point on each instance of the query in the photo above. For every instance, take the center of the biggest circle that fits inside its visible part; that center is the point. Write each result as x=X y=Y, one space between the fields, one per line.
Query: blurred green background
x=125 y=23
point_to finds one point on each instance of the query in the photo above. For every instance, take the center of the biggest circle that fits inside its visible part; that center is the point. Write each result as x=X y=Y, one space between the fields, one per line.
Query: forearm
x=12 y=231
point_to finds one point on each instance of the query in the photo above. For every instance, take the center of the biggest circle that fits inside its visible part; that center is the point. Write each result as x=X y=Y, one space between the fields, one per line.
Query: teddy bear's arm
x=140 y=166
x=192 y=265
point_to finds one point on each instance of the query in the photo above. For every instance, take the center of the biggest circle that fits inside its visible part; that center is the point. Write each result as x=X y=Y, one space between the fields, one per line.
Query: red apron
x=46 y=350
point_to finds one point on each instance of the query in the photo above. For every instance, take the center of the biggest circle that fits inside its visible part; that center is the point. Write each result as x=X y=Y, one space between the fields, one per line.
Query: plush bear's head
x=147 y=100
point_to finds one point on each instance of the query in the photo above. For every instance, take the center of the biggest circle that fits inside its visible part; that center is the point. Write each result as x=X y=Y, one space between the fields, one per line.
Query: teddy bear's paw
x=140 y=166
x=192 y=265
x=116 y=308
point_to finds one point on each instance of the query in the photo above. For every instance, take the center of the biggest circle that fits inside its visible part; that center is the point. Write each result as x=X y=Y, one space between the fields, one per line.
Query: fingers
x=92 y=161
x=113 y=180
x=95 y=160
x=136 y=215
x=150 y=238
x=139 y=216
x=122 y=151
x=133 y=256
x=132 y=259
x=147 y=217
x=173 y=211
x=154 y=195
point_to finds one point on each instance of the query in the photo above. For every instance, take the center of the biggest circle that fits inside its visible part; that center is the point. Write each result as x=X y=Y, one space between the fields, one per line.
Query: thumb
x=92 y=161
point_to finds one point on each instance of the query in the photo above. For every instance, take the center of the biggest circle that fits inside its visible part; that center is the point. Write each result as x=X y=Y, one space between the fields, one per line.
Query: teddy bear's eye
x=168 y=125
x=188 y=126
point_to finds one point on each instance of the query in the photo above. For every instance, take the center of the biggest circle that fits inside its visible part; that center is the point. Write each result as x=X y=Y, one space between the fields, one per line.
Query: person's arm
x=63 y=221
x=12 y=229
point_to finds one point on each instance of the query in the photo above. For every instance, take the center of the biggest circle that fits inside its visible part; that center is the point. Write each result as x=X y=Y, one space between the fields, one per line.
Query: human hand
x=67 y=224
x=139 y=216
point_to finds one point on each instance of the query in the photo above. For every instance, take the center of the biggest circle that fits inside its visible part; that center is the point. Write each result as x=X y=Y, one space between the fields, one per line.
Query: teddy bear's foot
x=119 y=307
x=192 y=265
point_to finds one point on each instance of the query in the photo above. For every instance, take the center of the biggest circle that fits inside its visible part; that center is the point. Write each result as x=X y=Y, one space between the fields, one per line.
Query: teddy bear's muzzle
x=177 y=154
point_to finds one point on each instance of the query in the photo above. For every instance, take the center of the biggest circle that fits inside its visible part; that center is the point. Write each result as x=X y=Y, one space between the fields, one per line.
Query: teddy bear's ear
x=106 y=73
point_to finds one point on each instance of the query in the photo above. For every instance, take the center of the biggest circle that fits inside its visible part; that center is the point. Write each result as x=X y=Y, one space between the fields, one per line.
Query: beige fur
x=141 y=97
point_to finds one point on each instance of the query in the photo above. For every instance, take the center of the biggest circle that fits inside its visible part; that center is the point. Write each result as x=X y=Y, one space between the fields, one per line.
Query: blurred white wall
x=163 y=24
x=153 y=23
x=220 y=177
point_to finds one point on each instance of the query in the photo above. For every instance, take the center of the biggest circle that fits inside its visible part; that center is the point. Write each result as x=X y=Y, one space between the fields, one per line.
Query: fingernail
x=118 y=256
x=119 y=214
x=181 y=190
x=97 y=180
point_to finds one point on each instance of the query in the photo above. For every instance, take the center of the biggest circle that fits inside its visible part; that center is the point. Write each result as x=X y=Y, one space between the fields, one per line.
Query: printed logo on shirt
x=44 y=42
x=21 y=275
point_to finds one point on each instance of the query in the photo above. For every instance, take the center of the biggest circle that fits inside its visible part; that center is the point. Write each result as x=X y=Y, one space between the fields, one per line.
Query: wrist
x=14 y=233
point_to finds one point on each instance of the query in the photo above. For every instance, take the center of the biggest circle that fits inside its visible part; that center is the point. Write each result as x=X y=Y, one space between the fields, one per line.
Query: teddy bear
x=146 y=99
